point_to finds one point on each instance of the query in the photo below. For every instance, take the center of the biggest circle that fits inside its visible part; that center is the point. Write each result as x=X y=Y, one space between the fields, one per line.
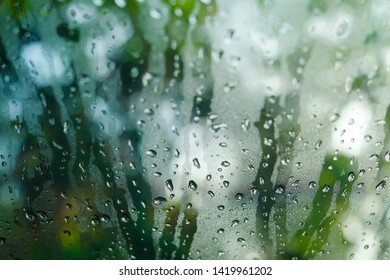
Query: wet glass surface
x=182 y=129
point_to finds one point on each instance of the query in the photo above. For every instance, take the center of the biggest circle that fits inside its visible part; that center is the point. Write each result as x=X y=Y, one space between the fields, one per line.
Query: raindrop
x=125 y=218
x=221 y=207
x=151 y=153
x=169 y=185
x=148 y=112
x=239 y=196
x=261 y=180
x=235 y=223
x=325 y=189
x=159 y=200
x=381 y=185
x=245 y=124
x=226 y=184
x=66 y=127
x=225 y=163
x=312 y=185
x=195 y=161
x=268 y=141
x=279 y=190
x=211 y=194
x=2 y=240
x=192 y=185
x=387 y=156
x=208 y=177
x=351 y=176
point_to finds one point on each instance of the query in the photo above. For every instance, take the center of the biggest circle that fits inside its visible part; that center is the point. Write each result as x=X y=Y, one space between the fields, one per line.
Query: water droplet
x=253 y=191
x=261 y=180
x=279 y=190
x=387 y=156
x=169 y=185
x=325 y=189
x=192 y=185
x=105 y=218
x=221 y=207
x=225 y=163
x=67 y=232
x=159 y=200
x=211 y=194
x=351 y=176
x=268 y=141
x=125 y=218
x=151 y=153
x=66 y=127
x=245 y=124
x=2 y=240
x=381 y=185
x=149 y=112
x=235 y=223
x=226 y=184
x=208 y=177
x=195 y=161
x=239 y=196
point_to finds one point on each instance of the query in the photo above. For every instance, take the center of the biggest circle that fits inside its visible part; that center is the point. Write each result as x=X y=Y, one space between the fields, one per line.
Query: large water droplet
x=169 y=185
x=159 y=200
x=192 y=185
x=195 y=161
x=381 y=185
x=151 y=153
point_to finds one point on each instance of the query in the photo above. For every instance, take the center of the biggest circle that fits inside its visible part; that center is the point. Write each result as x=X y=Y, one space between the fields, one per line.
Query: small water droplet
x=261 y=180
x=211 y=194
x=208 y=177
x=151 y=153
x=325 y=189
x=268 y=141
x=279 y=190
x=195 y=161
x=159 y=200
x=226 y=184
x=149 y=112
x=387 y=156
x=381 y=185
x=235 y=223
x=169 y=185
x=253 y=191
x=239 y=196
x=351 y=176
x=192 y=185
x=245 y=124
x=221 y=207
x=125 y=218
x=2 y=240
x=225 y=163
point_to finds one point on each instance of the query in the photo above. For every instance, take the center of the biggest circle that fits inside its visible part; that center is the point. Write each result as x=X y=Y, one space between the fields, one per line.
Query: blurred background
x=184 y=129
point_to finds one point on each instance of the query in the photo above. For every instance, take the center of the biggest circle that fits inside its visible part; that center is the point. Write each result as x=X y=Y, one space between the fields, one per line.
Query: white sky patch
x=44 y=64
x=350 y=129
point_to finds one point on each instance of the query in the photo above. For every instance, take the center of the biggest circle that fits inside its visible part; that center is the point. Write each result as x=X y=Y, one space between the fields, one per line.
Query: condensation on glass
x=183 y=129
